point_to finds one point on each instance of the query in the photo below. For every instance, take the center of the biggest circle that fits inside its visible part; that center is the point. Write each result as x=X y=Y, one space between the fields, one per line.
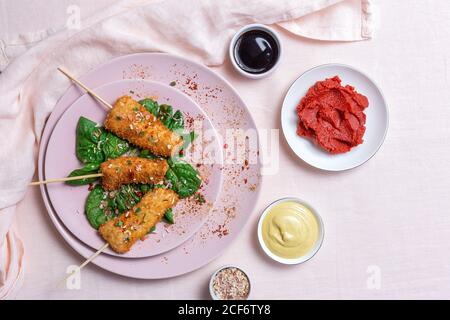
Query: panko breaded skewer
x=126 y=170
x=131 y=121
x=122 y=232
x=122 y=170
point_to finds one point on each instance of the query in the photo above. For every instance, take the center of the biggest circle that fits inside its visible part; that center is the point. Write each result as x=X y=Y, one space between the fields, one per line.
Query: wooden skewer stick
x=86 y=176
x=92 y=93
x=106 y=104
x=85 y=263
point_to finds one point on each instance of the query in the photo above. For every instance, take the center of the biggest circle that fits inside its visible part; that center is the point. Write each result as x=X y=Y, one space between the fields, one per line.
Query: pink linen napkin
x=197 y=29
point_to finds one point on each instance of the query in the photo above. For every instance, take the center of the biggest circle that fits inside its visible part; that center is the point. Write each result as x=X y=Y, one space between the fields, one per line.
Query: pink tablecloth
x=387 y=222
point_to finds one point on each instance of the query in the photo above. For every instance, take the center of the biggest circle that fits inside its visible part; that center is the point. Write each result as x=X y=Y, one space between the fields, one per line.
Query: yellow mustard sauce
x=290 y=230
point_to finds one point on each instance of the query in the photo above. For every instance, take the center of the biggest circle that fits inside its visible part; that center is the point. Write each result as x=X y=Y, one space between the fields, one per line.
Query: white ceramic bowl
x=301 y=259
x=255 y=26
x=211 y=281
x=376 y=125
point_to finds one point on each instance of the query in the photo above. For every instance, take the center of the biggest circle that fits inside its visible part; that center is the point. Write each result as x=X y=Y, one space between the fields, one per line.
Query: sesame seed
x=231 y=284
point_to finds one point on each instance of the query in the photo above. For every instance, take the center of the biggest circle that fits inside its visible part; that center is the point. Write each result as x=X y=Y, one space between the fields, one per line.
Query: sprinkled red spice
x=189 y=120
x=91 y=186
x=221 y=231
x=200 y=198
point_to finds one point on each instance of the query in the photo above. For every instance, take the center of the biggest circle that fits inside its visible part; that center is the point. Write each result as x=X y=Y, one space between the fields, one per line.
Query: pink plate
x=69 y=201
x=241 y=175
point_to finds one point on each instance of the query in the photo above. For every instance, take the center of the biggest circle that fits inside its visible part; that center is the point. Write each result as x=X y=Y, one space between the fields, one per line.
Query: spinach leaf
x=95 y=211
x=147 y=154
x=187 y=140
x=112 y=146
x=133 y=152
x=177 y=121
x=183 y=177
x=89 y=168
x=173 y=121
x=121 y=202
x=145 y=188
x=168 y=216
x=87 y=142
x=103 y=205
x=95 y=145
x=129 y=195
x=151 y=105
x=165 y=114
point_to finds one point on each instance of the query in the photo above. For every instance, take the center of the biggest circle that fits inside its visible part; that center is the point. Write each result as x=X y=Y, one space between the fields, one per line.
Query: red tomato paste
x=332 y=116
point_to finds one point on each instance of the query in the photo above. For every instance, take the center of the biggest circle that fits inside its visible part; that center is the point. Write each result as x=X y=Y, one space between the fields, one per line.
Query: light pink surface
x=391 y=213
x=30 y=87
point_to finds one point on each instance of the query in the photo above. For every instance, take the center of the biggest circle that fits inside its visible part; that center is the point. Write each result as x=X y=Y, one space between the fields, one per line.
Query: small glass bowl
x=250 y=27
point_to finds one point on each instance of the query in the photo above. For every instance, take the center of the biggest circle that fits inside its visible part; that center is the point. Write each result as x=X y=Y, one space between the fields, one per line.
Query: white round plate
x=376 y=125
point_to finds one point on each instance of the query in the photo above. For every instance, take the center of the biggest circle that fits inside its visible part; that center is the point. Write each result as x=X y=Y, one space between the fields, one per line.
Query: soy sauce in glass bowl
x=255 y=51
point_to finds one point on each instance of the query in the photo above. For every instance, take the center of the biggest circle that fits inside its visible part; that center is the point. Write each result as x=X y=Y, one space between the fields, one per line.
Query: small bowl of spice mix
x=229 y=283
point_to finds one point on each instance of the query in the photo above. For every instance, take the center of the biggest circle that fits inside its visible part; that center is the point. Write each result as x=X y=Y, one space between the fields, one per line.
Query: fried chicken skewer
x=86 y=176
x=131 y=121
x=123 y=231
x=123 y=170
x=126 y=170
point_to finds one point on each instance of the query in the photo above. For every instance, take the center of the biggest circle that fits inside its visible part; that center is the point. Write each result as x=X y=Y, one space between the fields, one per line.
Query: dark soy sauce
x=256 y=51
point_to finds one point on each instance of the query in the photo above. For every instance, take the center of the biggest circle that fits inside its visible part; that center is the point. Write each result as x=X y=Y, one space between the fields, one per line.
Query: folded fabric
x=340 y=20
x=198 y=29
